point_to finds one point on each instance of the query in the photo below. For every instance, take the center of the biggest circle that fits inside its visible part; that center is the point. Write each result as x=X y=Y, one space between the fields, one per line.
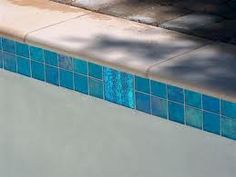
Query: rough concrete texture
x=52 y=132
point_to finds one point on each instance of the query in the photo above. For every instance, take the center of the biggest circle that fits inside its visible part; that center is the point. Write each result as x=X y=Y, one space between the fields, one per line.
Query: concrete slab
x=19 y=17
x=114 y=42
x=145 y=12
x=210 y=70
x=52 y=132
x=194 y=23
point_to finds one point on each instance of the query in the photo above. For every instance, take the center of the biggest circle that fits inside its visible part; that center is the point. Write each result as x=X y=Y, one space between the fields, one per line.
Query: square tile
x=175 y=94
x=142 y=84
x=23 y=66
x=50 y=58
x=1 y=59
x=193 y=117
x=52 y=75
x=159 y=107
x=96 y=88
x=66 y=79
x=119 y=87
x=228 y=127
x=9 y=61
x=228 y=109
x=211 y=104
x=0 y=43
x=211 y=122
x=8 y=45
x=81 y=83
x=22 y=50
x=80 y=66
x=38 y=70
x=176 y=112
x=158 y=89
x=193 y=99
x=36 y=54
x=95 y=70
x=65 y=62
x=143 y=102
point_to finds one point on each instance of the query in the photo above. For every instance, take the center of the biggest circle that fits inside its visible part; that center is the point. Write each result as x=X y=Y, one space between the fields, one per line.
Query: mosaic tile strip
x=166 y=101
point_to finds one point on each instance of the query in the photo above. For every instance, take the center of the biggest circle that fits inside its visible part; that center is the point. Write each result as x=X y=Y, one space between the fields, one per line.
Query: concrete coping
x=143 y=50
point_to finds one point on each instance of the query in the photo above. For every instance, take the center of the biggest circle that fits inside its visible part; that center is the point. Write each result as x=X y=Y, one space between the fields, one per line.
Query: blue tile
x=193 y=117
x=65 y=62
x=8 y=45
x=36 y=54
x=95 y=70
x=193 y=99
x=22 y=50
x=66 y=79
x=23 y=66
x=9 y=61
x=159 y=107
x=50 y=58
x=143 y=102
x=37 y=70
x=211 y=104
x=1 y=59
x=96 y=88
x=52 y=75
x=119 y=87
x=0 y=43
x=158 y=89
x=175 y=94
x=142 y=84
x=228 y=127
x=176 y=112
x=211 y=122
x=81 y=83
x=80 y=66
x=228 y=109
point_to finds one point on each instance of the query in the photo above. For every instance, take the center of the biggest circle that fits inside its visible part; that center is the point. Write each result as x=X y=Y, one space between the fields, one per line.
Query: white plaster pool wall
x=46 y=131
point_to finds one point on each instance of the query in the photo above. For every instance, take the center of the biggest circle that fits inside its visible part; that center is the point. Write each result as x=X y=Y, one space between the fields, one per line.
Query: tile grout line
x=51 y=25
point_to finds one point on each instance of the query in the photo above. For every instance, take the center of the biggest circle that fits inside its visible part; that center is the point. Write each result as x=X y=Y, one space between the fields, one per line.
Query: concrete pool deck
x=49 y=131
x=123 y=45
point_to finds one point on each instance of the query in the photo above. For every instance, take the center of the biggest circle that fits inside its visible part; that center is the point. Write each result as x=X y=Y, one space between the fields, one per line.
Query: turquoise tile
x=193 y=99
x=81 y=83
x=8 y=45
x=96 y=88
x=9 y=62
x=23 y=66
x=211 y=104
x=228 y=109
x=22 y=50
x=65 y=62
x=36 y=54
x=119 y=87
x=193 y=117
x=228 y=127
x=1 y=59
x=95 y=70
x=66 y=79
x=52 y=75
x=38 y=70
x=0 y=43
x=175 y=94
x=211 y=122
x=80 y=66
x=159 y=107
x=158 y=89
x=176 y=112
x=142 y=84
x=143 y=102
x=50 y=58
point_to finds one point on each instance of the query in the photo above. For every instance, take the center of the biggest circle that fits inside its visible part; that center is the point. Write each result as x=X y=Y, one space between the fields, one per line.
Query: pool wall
x=170 y=102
